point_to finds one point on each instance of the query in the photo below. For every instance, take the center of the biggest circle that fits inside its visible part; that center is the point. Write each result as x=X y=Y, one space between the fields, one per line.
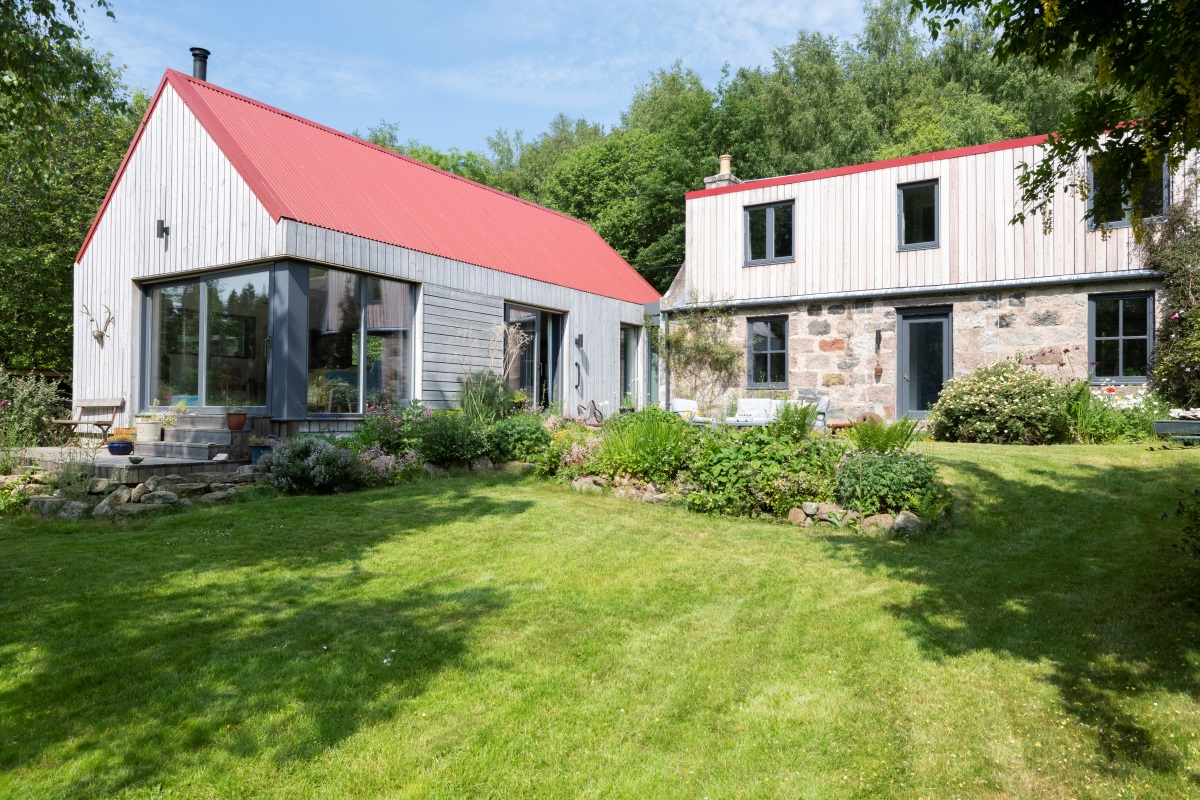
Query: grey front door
x=924 y=359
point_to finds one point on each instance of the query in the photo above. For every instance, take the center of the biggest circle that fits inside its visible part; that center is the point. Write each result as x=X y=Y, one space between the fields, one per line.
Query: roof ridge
x=176 y=74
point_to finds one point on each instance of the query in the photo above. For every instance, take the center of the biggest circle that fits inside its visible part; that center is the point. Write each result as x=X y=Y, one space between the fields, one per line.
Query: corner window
x=1120 y=337
x=769 y=233
x=1104 y=196
x=767 y=353
x=917 y=205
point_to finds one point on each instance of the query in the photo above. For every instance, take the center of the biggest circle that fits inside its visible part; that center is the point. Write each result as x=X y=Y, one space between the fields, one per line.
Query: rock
x=797 y=516
x=119 y=497
x=434 y=469
x=215 y=497
x=46 y=504
x=460 y=468
x=587 y=484
x=878 y=525
x=810 y=509
x=138 y=492
x=247 y=470
x=515 y=467
x=133 y=509
x=100 y=486
x=158 y=483
x=908 y=524
x=662 y=497
x=621 y=491
x=482 y=464
x=826 y=511
x=73 y=510
x=848 y=518
x=10 y=480
x=160 y=498
x=651 y=488
x=653 y=497
x=227 y=487
x=40 y=476
x=189 y=489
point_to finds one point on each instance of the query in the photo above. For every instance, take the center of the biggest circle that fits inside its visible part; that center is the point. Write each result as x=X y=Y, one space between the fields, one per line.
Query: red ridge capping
x=870 y=166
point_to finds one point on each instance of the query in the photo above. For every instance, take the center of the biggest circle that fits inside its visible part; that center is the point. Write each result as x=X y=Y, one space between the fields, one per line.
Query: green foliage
x=1104 y=416
x=1173 y=248
x=484 y=397
x=1001 y=403
x=571 y=453
x=872 y=482
x=795 y=421
x=12 y=501
x=648 y=445
x=469 y=164
x=882 y=437
x=1188 y=512
x=395 y=428
x=697 y=351
x=932 y=505
x=451 y=437
x=311 y=465
x=521 y=437
x=27 y=403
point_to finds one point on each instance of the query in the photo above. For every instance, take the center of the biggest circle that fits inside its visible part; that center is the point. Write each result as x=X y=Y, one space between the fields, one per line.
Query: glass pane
x=778 y=368
x=1108 y=318
x=334 y=317
x=389 y=341
x=1106 y=196
x=628 y=363
x=176 y=360
x=1135 y=316
x=1152 y=195
x=759 y=368
x=783 y=231
x=652 y=372
x=1137 y=357
x=920 y=214
x=758 y=233
x=759 y=333
x=927 y=362
x=1108 y=358
x=236 y=362
x=520 y=350
x=776 y=334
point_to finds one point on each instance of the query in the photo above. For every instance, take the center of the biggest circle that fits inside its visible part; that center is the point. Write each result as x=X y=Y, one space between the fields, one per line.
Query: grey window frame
x=937 y=215
x=770 y=209
x=750 y=382
x=1125 y=221
x=1120 y=380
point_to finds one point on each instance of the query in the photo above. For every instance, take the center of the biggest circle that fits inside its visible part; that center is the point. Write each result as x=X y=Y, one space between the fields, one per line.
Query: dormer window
x=1105 y=202
x=769 y=233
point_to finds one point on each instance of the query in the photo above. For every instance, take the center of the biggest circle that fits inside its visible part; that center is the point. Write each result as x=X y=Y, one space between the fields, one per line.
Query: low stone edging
x=158 y=492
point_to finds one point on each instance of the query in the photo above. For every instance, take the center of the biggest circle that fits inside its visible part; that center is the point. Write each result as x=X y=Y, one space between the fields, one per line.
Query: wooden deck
x=118 y=468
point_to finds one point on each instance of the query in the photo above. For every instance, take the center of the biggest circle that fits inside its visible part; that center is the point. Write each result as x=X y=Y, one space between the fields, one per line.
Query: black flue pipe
x=200 y=63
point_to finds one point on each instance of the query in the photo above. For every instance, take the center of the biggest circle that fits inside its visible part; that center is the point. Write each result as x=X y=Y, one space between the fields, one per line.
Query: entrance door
x=924 y=360
x=534 y=369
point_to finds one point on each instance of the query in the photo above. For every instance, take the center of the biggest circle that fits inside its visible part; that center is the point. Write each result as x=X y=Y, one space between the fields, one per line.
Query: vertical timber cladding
x=462 y=304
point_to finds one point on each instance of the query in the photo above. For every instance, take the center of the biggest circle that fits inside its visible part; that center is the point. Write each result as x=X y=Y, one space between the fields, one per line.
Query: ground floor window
x=629 y=344
x=767 y=353
x=1120 y=337
x=208 y=340
x=533 y=352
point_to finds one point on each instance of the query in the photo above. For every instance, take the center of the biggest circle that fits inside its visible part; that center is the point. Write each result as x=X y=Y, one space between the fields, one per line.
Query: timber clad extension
x=861 y=261
x=252 y=258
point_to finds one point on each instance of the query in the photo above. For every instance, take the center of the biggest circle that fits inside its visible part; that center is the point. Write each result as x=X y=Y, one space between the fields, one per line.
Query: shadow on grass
x=1070 y=569
x=248 y=631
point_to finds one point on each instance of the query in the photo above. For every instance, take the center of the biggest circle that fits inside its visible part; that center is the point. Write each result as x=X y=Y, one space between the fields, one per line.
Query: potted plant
x=149 y=426
x=235 y=418
x=258 y=446
x=628 y=406
x=120 y=444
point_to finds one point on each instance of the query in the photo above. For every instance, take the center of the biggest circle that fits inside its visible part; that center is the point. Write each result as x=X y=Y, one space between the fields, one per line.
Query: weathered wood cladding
x=845 y=235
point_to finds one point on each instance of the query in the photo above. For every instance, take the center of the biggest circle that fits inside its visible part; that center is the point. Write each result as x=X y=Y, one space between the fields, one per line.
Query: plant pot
x=257 y=451
x=149 y=431
x=120 y=448
x=236 y=420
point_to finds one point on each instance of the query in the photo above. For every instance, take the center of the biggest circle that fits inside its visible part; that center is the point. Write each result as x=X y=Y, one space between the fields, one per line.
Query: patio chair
x=755 y=411
x=689 y=410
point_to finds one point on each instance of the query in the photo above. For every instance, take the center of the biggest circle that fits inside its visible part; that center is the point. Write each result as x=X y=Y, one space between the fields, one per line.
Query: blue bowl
x=120 y=448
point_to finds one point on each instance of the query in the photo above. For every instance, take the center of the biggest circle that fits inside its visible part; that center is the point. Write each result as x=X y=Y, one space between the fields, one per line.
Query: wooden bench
x=111 y=404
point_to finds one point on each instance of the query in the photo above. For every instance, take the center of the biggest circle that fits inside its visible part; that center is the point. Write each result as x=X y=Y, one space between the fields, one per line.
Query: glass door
x=924 y=360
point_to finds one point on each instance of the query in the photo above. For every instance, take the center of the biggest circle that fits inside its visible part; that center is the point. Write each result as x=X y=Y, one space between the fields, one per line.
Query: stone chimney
x=724 y=177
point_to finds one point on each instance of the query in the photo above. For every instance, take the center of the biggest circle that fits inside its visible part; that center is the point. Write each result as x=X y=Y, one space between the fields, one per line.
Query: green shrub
x=1104 y=416
x=395 y=428
x=450 y=437
x=12 y=501
x=521 y=437
x=794 y=421
x=484 y=397
x=1173 y=249
x=26 y=405
x=881 y=437
x=1002 y=403
x=650 y=445
x=310 y=465
x=789 y=475
x=878 y=483
x=571 y=452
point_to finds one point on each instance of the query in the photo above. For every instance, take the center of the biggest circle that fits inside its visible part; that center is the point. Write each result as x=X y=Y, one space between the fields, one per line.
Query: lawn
x=503 y=637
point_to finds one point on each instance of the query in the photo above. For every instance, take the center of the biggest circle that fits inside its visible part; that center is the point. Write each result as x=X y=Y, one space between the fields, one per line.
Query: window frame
x=770 y=209
x=1126 y=221
x=937 y=215
x=750 y=352
x=1120 y=380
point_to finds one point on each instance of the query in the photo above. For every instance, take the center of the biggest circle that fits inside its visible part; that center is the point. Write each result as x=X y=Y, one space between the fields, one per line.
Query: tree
x=523 y=168
x=46 y=75
x=468 y=164
x=1142 y=106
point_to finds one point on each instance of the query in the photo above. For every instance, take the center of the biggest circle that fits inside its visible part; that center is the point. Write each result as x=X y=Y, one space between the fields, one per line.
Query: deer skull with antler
x=101 y=330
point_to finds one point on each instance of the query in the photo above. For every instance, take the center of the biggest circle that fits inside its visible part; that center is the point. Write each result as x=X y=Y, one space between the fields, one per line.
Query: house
x=876 y=283
x=252 y=258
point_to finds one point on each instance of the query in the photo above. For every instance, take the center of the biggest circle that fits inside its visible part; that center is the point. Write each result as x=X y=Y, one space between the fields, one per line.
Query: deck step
x=204 y=421
x=198 y=435
x=200 y=451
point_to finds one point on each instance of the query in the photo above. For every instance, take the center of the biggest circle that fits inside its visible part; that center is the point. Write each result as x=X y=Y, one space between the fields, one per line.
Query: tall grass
x=795 y=421
x=650 y=445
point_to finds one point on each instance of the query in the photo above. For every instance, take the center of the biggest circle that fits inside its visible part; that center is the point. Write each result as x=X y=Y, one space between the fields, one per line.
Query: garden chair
x=754 y=411
x=112 y=405
x=689 y=410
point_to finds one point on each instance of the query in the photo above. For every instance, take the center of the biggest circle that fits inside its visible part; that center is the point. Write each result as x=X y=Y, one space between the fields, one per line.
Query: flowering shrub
x=571 y=452
x=309 y=465
x=26 y=406
x=12 y=501
x=1102 y=414
x=521 y=437
x=875 y=483
x=1002 y=403
x=1173 y=249
x=381 y=468
x=395 y=428
x=450 y=437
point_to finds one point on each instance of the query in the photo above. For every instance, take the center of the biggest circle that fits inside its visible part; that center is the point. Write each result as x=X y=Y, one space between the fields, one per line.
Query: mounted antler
x=101 y=330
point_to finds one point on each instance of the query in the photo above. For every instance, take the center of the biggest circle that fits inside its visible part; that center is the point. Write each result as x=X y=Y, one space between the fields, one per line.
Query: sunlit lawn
x=501 y=637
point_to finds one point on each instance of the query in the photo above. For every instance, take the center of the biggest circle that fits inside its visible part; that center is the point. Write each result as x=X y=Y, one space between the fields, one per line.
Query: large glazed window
x=918 y=207
x=175 y=356
x=236 y=361
x=768 y=353
x=389 y=313
x=769 y=233
x=1104 y=196
x=1122 y=337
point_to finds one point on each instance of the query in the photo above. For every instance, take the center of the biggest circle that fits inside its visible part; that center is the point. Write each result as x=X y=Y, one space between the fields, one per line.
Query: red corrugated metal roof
x=923 y=158
x=312 y=174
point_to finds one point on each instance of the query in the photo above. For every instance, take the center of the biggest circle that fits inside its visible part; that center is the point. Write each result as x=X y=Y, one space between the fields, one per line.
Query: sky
x=450 y=73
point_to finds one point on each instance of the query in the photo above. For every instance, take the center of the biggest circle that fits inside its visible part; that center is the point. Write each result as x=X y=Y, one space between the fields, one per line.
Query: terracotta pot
x=236 y=420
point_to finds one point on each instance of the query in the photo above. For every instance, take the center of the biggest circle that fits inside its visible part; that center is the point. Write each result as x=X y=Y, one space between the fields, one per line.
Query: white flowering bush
x=308 y=465
x=1106 y=414
x=1002 y=403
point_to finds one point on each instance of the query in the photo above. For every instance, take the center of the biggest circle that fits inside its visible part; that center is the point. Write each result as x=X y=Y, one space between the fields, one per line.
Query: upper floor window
x=1104 y=196
x=767 y=354
x=769 y=233
x=917 y=206
x=1121 y=337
